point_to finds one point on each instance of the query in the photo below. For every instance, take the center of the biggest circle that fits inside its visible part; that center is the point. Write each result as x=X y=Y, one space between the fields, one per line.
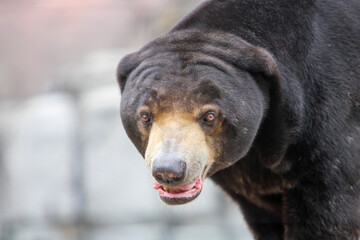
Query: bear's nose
x=169 y=170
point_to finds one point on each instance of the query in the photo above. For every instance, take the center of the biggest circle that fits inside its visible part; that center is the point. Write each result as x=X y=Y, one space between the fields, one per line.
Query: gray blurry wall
x=67 y=169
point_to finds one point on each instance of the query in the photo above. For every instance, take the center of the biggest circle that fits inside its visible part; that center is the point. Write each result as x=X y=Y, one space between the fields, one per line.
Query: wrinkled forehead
x=166 y=89
x=177 y=77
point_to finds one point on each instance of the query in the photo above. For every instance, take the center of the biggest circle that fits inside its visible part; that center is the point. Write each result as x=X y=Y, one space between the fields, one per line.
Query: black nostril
x=159 y=176
x=169 y=170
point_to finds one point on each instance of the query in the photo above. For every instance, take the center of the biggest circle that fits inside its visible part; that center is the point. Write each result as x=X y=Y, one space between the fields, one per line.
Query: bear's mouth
x=175 y=195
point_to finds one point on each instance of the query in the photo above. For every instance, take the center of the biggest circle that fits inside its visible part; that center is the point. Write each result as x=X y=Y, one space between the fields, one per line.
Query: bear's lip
x=175 y=195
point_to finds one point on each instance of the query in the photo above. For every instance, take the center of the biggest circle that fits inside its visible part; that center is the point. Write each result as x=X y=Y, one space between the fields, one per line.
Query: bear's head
x=193 y=103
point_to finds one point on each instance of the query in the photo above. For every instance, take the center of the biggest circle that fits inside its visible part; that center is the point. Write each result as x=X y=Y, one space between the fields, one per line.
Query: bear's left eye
x=209 y=117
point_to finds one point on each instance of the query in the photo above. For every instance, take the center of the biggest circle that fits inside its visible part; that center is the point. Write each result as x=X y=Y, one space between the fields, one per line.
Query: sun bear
x=263 y=97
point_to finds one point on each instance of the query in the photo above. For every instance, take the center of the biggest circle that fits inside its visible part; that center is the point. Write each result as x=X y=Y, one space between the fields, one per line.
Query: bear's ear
x=125 y=67
x=258 y=60
x=282 y=118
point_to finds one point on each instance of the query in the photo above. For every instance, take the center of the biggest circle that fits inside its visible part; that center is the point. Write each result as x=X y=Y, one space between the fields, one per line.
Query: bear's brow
x=206 y=91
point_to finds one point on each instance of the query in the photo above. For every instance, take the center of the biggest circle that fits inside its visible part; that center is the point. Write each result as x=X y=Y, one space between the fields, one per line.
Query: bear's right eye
x=145 y=118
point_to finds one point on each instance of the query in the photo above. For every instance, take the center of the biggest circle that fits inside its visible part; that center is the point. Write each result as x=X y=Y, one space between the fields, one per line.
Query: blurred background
x=67 y=168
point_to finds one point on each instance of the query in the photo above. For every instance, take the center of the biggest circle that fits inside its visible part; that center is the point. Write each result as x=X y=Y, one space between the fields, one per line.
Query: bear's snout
x=178 y=156
x=169 y=169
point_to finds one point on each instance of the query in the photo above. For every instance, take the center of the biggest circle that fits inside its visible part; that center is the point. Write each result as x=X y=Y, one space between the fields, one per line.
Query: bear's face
x=189 y=114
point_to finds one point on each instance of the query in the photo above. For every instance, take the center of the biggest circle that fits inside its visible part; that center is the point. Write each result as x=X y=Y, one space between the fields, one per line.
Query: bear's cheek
x=134 y=132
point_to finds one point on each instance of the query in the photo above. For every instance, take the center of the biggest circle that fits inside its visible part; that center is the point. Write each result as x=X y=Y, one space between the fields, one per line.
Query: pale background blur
x=67 y=169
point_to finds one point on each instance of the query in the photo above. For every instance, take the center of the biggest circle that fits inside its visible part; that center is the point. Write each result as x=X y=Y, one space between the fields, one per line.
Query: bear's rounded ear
x=125 y=67
x=283 y=118
x=258 y=60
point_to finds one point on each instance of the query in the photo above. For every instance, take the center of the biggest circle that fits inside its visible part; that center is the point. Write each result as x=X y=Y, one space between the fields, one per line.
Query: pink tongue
x=175 y=191
x=182 y=188
x=186 y=187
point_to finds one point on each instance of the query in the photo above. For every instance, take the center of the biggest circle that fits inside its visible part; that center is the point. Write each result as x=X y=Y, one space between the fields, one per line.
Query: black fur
x=296 y=175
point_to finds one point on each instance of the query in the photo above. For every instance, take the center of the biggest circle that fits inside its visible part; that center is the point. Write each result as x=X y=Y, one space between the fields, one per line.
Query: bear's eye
x=209 y=117
x=145 y=118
